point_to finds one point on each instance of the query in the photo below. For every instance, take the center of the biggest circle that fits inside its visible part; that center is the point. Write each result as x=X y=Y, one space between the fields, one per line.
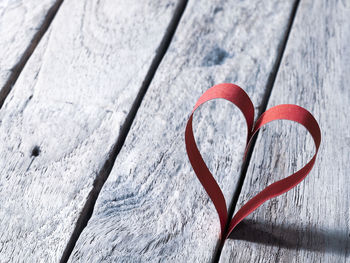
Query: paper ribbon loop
x=237 y=96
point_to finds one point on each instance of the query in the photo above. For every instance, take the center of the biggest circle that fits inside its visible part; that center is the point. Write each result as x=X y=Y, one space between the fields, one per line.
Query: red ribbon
x=237 y=96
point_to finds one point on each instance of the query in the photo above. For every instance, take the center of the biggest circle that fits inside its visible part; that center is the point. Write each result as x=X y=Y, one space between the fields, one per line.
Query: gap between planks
x=262 y=108
x=103 y=174
x=17 y=69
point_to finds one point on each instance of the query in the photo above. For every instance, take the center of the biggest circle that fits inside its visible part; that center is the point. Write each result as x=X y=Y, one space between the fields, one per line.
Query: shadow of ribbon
x=293 y=237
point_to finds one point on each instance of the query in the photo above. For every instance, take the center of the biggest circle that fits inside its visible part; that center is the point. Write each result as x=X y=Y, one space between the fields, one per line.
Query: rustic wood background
x=95 y=96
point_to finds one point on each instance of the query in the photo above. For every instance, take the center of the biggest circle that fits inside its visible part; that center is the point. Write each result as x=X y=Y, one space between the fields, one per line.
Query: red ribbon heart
x=237 y=96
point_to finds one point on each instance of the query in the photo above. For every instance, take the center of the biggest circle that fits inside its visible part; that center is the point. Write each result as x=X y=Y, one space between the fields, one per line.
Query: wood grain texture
x=152 y=207
x=64 y=115
x=20 y=23
x=311 y=223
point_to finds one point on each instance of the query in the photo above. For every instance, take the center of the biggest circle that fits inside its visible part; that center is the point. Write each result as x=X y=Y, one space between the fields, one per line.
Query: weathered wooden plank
x=63 y=117
x=152 y=207
x=311 y=222
x=22 y=24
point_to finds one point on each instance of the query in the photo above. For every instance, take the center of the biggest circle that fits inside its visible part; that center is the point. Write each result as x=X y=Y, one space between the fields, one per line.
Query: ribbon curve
x=238 y=97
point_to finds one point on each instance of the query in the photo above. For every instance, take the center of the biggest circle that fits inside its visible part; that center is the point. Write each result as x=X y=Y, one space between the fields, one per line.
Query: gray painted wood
x=70 y=101
x=152 y=207
x=20 y=23
x=311 y=223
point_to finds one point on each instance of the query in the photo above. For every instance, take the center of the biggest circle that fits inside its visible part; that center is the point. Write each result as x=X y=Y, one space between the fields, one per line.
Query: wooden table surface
x=95 y=96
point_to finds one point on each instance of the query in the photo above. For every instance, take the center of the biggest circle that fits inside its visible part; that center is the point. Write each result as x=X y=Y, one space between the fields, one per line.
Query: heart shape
x=237 y=96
